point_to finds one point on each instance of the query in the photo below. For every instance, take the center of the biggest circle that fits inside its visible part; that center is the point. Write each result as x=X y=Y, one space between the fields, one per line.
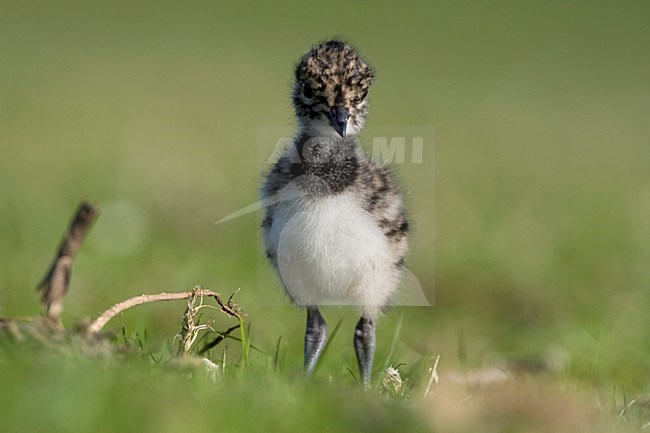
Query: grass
x=128 y=383
x=530 y=211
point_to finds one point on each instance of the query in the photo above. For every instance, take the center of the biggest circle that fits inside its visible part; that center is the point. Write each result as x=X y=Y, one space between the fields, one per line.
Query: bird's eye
x=306 y=90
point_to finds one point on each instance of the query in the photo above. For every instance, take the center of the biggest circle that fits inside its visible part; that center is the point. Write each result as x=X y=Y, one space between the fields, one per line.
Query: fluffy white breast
x=329 y=250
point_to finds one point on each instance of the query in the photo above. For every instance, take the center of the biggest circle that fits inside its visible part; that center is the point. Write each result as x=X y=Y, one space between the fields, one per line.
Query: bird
x=335 y=226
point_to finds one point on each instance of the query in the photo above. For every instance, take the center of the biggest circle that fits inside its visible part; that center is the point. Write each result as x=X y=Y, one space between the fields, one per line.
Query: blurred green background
x=531 y=206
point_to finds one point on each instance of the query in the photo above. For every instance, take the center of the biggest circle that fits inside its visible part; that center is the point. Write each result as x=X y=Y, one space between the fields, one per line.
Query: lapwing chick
x=335 y=228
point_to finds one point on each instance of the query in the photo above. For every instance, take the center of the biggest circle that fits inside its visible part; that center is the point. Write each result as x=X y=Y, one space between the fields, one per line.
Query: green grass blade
x=276 y=355
x=354 y=376
x=250 y=345
x=245 y=344
x=393 y=344
x=327 y=344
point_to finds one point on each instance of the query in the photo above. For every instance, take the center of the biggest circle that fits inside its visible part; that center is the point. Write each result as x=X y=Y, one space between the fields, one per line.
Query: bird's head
x=329 y=94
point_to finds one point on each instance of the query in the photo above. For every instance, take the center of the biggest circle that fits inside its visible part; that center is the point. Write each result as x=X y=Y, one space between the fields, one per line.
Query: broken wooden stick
x=229 y=308
x=54 y=286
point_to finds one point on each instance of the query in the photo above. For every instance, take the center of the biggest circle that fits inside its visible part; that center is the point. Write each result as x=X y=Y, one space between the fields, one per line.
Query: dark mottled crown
x=331 y=73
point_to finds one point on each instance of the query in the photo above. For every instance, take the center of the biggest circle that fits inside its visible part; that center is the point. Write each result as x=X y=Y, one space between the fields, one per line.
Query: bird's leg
x=364 y=346
x=315 y=338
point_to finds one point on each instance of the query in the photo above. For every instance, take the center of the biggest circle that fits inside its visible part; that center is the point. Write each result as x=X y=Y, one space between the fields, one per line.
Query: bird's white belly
x=329 y=250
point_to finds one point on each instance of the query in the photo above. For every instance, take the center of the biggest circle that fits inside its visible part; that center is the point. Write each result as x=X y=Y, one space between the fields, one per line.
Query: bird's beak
x=338 y=117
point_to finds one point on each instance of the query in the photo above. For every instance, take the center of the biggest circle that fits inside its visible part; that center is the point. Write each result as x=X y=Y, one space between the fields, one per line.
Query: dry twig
x=220 y=337
x=54 y=286
x=189 y=326
x=97 y=325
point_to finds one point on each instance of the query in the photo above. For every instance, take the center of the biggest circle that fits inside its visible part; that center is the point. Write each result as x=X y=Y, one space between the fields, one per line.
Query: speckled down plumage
x=335 y=227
